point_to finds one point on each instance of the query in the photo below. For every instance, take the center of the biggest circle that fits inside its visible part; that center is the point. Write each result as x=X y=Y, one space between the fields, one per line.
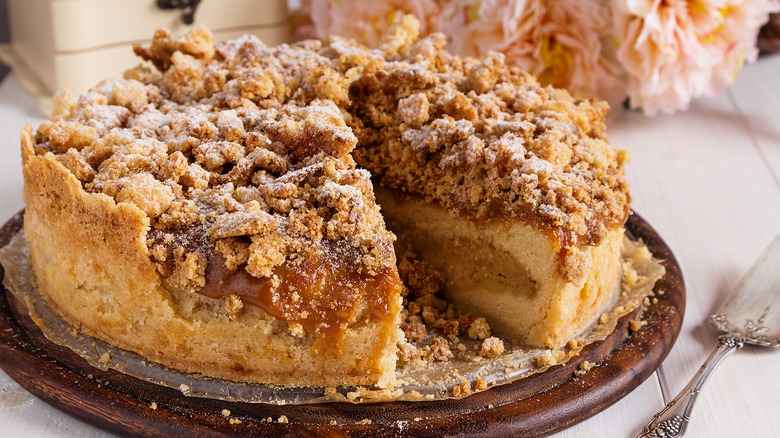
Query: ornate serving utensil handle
x=672 y=420
x=757 y=294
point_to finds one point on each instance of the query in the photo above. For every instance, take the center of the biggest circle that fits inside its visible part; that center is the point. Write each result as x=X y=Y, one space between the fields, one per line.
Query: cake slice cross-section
x=240 y=243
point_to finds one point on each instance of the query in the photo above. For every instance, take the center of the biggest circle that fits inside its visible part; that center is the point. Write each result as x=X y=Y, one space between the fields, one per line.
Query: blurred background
x=606 y=49
x=5 y=35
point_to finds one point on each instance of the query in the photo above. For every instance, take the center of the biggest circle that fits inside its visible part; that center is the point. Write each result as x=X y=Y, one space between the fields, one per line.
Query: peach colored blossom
x=676 y=50
x=565 y=43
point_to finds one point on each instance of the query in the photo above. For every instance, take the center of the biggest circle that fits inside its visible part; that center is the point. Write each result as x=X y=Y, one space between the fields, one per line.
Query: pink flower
x=676 y=50
x=565 y=43
x=366 y=21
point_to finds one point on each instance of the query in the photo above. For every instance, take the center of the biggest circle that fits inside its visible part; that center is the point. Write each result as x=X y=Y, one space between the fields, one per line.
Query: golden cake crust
x=232 y=165
x=215 y=194
x=125 y=303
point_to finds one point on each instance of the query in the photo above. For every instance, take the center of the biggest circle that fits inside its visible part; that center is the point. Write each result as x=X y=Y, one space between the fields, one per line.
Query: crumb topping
x=485 y=139
x=237 y=153
x=188 y=145
x=247 y=154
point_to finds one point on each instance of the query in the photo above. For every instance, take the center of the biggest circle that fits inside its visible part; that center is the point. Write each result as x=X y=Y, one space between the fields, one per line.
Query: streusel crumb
x=441 y=349
x=245 y=156
x=461 y=390
x=237 y=153
x=479 y=329
x=491 y=347
x=430 y=325
x=485 y=139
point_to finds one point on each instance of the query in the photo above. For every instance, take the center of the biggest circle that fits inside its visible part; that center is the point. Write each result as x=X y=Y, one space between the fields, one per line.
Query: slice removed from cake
x=507 y=272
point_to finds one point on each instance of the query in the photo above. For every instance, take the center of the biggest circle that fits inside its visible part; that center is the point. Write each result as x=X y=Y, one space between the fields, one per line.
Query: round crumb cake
x=217 y=212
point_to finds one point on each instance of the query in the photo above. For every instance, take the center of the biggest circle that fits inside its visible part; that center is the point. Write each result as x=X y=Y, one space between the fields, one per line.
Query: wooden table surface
x=708 y=180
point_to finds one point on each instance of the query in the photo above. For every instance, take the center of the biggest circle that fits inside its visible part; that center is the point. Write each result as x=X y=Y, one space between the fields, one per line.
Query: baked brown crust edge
x=114 y=293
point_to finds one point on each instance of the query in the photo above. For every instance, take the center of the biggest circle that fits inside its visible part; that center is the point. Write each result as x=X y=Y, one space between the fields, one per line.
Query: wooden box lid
x=86 y=24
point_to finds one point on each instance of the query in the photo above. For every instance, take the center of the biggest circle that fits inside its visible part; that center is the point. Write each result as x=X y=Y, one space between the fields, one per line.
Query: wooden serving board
x=536 y=406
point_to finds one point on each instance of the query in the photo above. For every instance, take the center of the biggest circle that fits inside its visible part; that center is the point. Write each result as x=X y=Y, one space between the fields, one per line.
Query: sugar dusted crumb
x=491 y=347
x=283 y=419
x=481 y=384
x=457 y=131
x=105 y=359
x=225 y=413
x=441 y=349
x=333 y=422
x=461 y=390
x=184 y=388
x=153 y=406
x=231 y=149
x=584 y=368
x=635 y=325
x=479 y=329
x=364 y=421
x=255 y=149
x=235 y=421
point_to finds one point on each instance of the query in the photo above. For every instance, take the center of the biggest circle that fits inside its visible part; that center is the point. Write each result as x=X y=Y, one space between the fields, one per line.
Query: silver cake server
x=751 y=315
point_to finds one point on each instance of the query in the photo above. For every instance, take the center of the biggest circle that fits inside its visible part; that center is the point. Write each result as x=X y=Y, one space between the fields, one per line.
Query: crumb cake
x=217 y=210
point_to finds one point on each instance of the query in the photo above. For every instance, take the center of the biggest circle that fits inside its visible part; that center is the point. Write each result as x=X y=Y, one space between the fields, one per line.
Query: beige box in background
x=74 y=44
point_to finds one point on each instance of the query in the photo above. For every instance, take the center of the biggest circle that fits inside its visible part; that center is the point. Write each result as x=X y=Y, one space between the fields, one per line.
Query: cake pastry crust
x=216 y=213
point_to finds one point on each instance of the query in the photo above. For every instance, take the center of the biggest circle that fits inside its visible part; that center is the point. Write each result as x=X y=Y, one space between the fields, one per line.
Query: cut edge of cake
x=507 y=271
x=71 y=231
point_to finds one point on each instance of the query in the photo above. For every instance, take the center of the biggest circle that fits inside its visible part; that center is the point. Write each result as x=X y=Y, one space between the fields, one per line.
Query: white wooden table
x=708 y=180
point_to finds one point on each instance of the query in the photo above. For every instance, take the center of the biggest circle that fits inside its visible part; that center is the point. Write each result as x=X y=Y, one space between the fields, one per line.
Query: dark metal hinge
x=188 y=8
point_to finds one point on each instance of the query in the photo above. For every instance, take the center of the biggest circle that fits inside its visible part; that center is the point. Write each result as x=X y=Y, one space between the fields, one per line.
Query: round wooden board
x=536 y=406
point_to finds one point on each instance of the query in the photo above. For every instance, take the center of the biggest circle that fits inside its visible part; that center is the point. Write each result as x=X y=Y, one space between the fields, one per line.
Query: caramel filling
x=322 y=289
x=323 y=293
